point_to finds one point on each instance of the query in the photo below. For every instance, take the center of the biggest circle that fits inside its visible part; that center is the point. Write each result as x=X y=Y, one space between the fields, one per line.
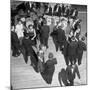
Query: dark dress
x=49 y=69
x=31 y=35
x=29 y=51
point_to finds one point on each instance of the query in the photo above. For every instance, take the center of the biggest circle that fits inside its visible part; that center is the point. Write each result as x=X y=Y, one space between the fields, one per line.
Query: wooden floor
x=23 y=75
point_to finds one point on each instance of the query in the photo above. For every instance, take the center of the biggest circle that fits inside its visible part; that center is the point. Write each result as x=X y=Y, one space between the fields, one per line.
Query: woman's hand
x=32 y=39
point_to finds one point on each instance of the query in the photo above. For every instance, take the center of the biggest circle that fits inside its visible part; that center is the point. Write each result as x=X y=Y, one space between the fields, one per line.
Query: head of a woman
x=30 y=27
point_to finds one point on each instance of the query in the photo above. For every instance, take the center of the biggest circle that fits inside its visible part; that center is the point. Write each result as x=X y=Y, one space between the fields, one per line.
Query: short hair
x=50 y=55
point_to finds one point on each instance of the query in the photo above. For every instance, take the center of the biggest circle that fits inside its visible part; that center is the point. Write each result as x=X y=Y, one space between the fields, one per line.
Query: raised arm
x=34 y=35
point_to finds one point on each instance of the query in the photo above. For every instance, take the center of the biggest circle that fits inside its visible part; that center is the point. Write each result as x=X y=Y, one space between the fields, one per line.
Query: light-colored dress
x=19 y=30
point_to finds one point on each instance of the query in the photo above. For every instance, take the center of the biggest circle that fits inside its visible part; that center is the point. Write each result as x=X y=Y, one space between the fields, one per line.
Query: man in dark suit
x=74 y=13
x=71 y=11
x=67 y=76
x=63 y=9
x=67 y=11
x=45 y=6
x=65 y=52
x=54 y=10
x=45 y=34
x=61 y=38
x=81 y=47
x=50 y=11
x=72 y=50
x=59 y=11
x=54 y=37
x=15 y=44
x=49 y=68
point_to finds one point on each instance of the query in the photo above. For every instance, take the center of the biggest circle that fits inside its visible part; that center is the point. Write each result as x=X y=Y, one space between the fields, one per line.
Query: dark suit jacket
x=61 y=35
x=72 y=48
x=71 y=12
x=81 y=47
x=63 y=9
x=14 y=40
x=54 y=33
x=67 y=12
x=59 y=11
x=45 y=31
x=55 y=8
x=27 y=6
x=50 y=10
x=76 y=14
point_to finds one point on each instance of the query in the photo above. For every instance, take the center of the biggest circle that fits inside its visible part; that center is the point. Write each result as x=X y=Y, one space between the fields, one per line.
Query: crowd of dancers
x=30 y=34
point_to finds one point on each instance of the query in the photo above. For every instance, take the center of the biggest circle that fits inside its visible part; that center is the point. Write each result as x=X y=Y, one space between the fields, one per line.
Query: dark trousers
x=15 y=49
x=72 y=59
x=80 y=58
x=60 y=45
x=71 y=82
x=66 y=60
x=56 y=44
x=25 y=55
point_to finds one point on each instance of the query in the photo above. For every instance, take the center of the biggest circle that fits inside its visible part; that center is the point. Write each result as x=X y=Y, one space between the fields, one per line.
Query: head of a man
x=50 y=55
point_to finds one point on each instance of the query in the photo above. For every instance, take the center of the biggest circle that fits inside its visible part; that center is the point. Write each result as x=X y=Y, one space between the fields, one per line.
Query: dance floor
x=24 y=76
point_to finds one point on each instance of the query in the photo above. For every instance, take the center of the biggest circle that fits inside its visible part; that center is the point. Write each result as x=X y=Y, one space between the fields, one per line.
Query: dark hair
x=50 y=55
x=83 y=38
x=25 y=34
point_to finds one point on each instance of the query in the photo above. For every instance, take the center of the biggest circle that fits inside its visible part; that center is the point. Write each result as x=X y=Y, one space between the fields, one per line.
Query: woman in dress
x=32 y=34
